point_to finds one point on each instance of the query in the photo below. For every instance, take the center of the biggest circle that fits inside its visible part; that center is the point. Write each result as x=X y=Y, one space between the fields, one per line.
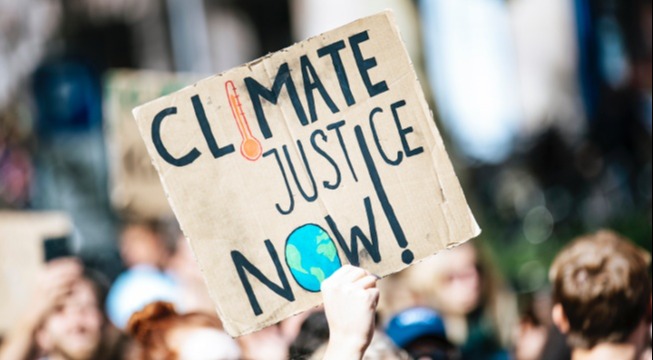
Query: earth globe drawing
x=311 y=256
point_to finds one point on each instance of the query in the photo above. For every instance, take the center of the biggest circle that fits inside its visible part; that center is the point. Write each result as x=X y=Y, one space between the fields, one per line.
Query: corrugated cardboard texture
x=346 y=130
x=22 y=257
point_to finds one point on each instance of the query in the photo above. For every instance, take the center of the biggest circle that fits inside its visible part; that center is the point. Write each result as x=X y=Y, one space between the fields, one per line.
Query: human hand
x=350 y=300
x=54 y=284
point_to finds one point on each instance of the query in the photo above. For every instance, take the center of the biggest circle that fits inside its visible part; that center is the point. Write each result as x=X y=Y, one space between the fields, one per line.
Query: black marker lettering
x=161 y=149
x=336 y=127
x=243 y=266
x=333 y=50
x=364 y=65
x=370 y=244
x=320 y=133
x=407 y=255
x=206 y=130
x=312 y=82
x=400 y=155
x=309 y=198
x=291 y=207
x=258 y=91
x=403 y=132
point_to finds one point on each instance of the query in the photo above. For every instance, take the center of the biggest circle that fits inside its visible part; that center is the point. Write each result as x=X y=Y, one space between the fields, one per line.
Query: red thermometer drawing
x=250 y=148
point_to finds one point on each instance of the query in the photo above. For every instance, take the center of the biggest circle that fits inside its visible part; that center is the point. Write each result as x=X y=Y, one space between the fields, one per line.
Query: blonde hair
x=498 y=303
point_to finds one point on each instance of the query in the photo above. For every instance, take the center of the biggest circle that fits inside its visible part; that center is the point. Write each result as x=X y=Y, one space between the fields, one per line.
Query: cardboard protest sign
x=285 y=169
x=22 y=255
x=135 y=187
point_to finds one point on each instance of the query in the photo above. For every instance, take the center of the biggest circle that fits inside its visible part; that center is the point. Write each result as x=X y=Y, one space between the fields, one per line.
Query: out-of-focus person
x=162 y=333
x=397 y=294
x=145 y=252
x=530 y=338
x=602 y=296
x=65 y=319
x=292 y=327
x=192 y=296
x=421 y=332
x=143 y=244
x=313 y=334
x=313 y=337
x=478 y=310
x=267 y=344
x=555 y=347
x=380 y=348
x=184 y=269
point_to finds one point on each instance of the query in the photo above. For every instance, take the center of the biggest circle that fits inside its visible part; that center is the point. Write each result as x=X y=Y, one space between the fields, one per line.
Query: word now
x=349 y=245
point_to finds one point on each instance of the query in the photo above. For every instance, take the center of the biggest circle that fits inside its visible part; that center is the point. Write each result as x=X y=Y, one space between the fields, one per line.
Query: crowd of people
x=546 y=106
x=451 y=306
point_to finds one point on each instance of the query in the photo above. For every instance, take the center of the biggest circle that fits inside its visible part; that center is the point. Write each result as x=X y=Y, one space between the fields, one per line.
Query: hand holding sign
x=54 y=284
x=340 y=163
x=350 y=299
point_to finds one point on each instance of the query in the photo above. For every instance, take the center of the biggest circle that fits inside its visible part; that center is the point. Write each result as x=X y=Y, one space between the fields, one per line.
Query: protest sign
x=22 y=255
x=135 y=188
x=285 y=169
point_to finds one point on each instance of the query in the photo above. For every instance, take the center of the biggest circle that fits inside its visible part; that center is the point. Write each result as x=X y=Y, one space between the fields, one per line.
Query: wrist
x=341 y=346
x=337 y=352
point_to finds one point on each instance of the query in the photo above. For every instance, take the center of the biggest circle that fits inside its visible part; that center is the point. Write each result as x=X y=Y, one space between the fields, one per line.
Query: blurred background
x=545 y=106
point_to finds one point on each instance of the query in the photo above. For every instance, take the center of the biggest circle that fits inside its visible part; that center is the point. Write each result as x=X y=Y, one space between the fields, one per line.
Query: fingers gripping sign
x=350 y=300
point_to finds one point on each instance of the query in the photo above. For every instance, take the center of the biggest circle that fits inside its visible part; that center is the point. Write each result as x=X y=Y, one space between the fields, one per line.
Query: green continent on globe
x=318 y=273
x=328 y=250
x=312 y=256
x=294 y=258
x=323 y=237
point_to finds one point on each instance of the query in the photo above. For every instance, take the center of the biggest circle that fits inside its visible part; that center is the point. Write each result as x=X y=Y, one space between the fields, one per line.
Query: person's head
x=601 y=290
x=313 y=334
x=421 y=332
x=144 y=243
x=380 y=348
x=464 y=283
x=164 y=334
x=74 y=330
x=451 y=281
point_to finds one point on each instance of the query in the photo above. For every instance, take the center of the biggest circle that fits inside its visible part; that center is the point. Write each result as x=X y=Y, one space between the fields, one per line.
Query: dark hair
x=313 y=334
x=100 y=284
x=112 y=343
x=603 y=284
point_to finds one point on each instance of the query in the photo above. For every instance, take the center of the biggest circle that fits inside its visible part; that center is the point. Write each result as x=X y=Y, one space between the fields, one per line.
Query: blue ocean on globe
x=312 y=256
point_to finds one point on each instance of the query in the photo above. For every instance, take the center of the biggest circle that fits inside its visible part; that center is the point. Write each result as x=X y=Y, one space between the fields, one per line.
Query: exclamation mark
x=407 y=256
x=250 y=147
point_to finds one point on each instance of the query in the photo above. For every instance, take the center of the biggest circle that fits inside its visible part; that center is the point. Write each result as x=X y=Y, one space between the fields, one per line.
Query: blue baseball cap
x=414 y=323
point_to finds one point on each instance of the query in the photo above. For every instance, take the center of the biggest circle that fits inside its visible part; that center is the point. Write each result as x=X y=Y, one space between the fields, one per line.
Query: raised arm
x=350 y=300
x=54 y=284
